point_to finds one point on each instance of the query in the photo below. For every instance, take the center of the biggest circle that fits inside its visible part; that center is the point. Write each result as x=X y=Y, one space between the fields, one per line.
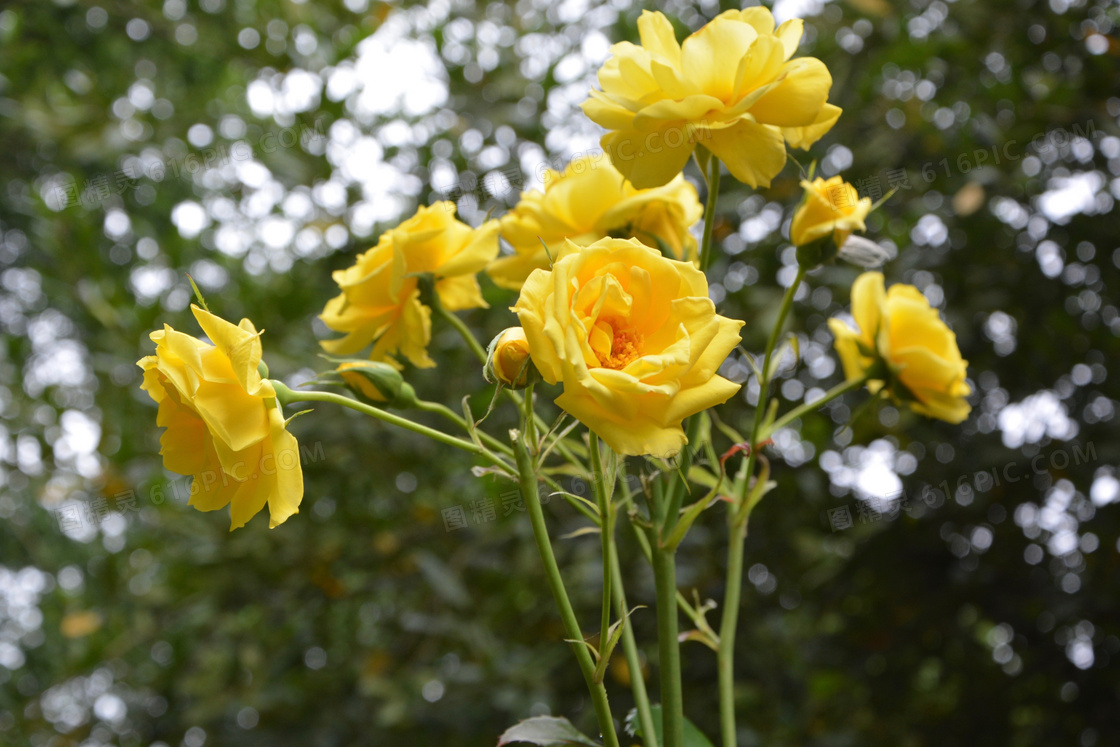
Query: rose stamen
x=626 y=345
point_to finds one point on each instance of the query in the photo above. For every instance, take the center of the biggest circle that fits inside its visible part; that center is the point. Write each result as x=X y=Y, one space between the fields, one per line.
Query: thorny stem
x=737 y=532
x=606 y=532
x=528 y=479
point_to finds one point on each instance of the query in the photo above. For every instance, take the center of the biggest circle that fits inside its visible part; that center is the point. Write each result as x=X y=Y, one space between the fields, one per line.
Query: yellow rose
x=905 y=345
x=508 y=359
x=633 y=338
x=830 y=206
x=380 y=298
x=731 y=86
x=588 y=201
x=223 y=424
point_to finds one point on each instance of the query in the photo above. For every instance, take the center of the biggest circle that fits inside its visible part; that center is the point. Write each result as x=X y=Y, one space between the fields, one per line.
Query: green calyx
x=375 y=382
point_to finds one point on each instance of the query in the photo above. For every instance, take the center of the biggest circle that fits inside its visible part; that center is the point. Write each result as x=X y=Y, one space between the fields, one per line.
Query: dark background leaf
x=546 y=731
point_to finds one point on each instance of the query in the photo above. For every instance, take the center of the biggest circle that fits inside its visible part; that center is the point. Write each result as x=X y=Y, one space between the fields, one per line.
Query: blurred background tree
x=258 y=144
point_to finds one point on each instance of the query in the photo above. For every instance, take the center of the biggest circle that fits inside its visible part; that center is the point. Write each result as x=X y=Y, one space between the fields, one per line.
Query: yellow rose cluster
x=615 y=315
x=613 y=307
x=633 y=338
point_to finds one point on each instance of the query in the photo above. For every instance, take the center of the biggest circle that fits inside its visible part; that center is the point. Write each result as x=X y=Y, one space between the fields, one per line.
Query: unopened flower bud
x=507 y=359
x=376 y=382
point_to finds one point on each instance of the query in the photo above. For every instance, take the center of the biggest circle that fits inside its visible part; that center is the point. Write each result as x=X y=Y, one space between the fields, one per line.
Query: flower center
x=625 y=345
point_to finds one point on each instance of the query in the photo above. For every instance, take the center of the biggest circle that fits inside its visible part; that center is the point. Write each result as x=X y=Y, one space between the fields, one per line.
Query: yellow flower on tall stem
x=587 y=201
x=829 y=207
x=732 y=87
x=380 y=300
x=902 y=344
x=633 y=338
x=223 y=424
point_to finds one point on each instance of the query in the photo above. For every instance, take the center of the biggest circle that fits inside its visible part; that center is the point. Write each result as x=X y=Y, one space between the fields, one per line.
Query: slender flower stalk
x=463 y=329
x=764 y=381
x=630 y=648
x=530 y=420
x=668 y=644
x=667 y=508
x=480 y=353
x=806 y=407
x=287 y=396
x=737 y=533
x=446 y=412
x=528 y=480
x=678 y=480
x=606 y=533
x=710 y=212
x=737 y=536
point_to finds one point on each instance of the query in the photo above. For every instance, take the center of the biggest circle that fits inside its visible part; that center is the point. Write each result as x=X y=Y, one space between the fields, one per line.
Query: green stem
x=727 y=626
x=710 y=212
x=737 y=524
x=807 y=407
x=464 y=330
x=764 y=379
x=286 y=396
x=528 y=479
x=606 y=531
x=764 y=382
x=480 y=353
x=678 y=480
x=630 y=651
x=666 y=512
x=668 y=646
x=530 y=420
x=664 y=559
x=647 y=552
x=447 y=412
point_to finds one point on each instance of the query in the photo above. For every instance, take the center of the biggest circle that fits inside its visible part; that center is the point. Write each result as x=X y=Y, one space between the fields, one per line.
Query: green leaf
x=296 y=415
x=547 y=253
x=615 y=633
x=735 y=436
x=581 y=532
x=770 y=417
x=791 y=343
x=572 y=496
x=693 y=737
x=198 y=294
x=545 y=731
x=688 y=516
x=750 y=361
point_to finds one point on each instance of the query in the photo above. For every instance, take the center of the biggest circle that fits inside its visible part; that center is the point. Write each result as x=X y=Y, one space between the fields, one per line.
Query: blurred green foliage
x=982 y=615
